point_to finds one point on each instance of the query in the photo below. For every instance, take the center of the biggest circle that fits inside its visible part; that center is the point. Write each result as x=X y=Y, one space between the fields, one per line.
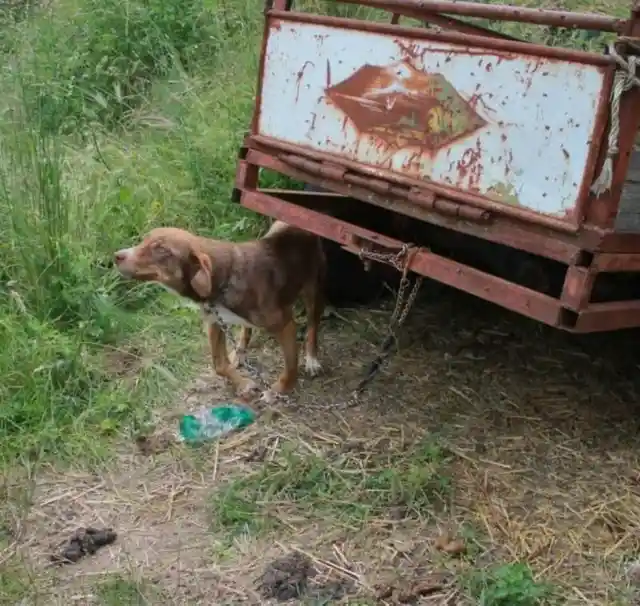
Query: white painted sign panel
x=514 y=128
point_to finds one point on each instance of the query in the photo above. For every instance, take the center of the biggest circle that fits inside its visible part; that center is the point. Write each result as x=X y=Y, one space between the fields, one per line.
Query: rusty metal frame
x=571 y=312
x=501 y=12
x=451 y=23
x=486 y=286
x=482 y=41
x=586 y=244
x=456 y=195
x=494 y=228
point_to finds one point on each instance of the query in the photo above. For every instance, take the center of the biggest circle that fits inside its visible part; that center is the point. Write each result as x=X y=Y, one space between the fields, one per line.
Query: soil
x=540 y=436
x=287 y=577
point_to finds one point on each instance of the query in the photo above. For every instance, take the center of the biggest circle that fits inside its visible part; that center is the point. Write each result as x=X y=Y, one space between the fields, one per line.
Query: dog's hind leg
x=287 y=337
x=313 y=299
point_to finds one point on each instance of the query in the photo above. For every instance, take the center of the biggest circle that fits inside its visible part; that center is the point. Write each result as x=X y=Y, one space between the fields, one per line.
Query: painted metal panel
x=511 y=127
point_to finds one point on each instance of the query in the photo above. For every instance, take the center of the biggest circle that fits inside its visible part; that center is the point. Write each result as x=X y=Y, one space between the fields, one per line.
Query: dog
x=252 y=284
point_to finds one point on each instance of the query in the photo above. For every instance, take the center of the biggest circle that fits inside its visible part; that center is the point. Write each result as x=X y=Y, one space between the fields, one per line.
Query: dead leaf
x=450 y=545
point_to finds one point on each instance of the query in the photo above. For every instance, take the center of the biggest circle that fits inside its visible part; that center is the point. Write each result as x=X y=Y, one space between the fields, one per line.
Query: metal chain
x=402 y=262
x=397 y=260
x=252 y=370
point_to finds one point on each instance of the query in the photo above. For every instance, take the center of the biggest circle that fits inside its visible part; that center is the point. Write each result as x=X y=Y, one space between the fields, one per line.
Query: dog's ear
x=201 y=276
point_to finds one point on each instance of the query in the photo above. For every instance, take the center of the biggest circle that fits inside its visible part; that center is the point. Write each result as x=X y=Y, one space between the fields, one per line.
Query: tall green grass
x=115 y=117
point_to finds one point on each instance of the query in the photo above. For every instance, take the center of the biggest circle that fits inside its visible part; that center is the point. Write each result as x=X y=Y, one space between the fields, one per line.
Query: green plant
x=413 y=480
x=72 y=191
x=508 y=585
x=96 y=61
x=123 y=591
x=233 y=511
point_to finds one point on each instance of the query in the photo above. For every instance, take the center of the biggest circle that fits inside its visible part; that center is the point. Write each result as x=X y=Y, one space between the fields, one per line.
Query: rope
x=624 y=79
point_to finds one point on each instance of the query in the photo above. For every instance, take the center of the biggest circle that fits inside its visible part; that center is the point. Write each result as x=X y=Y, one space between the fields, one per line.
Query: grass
x=92 y=156
x=116 y=117
x=124 y=591
x=349 y=488
x=508 y=585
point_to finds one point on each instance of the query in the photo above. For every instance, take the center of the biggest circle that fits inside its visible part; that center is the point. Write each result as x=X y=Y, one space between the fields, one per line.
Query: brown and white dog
x=252 y=284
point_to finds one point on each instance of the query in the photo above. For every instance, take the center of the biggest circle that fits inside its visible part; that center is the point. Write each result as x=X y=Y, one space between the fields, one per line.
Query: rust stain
x=478 y=99
x=413 y=51
x=299 y=77
x=404 y=107
x=312 y=126
x=470 y=167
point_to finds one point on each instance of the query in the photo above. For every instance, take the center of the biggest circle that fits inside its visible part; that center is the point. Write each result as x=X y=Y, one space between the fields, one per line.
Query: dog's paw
x=312 y=366
x=268 y=397
x=238 y=357
x=249 y=391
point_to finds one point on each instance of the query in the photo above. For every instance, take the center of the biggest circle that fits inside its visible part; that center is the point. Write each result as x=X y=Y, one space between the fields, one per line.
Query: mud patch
x=83 y=542
x=286 y=578
x=294 y=577
x=155 y=444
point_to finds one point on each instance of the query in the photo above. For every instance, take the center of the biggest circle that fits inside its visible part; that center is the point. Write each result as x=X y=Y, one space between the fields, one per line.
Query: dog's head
x=172 y=257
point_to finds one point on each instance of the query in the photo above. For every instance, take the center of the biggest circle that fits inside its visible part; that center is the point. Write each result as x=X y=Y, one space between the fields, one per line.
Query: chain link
x=402 y=262
x=254 y=373
x=394 y=259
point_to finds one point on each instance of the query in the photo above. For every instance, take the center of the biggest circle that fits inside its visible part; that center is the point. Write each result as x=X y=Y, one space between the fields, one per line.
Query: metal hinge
x=420 y=196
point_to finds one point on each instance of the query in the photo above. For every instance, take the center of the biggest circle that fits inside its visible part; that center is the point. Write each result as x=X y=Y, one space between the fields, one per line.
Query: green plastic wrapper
x=212 y=423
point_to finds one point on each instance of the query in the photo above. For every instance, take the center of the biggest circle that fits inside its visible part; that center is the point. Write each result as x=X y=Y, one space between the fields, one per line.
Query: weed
x=116 y=52
x=15 y=582
x=508 y=585
x=232 y=510
x=412 y=481
x=71 y=193
x=123 y=591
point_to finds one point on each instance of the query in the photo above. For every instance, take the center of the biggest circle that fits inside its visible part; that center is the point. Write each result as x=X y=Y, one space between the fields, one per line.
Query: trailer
x=508 y=167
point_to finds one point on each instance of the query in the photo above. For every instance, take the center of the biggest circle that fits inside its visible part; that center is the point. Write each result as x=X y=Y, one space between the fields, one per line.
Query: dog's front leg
x=288 y=342
x=221 y=363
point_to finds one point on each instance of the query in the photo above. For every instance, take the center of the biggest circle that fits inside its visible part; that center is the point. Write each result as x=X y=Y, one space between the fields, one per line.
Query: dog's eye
x=160 y=253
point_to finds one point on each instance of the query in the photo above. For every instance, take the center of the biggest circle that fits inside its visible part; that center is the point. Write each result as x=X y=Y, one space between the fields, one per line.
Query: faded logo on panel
x=405 y=107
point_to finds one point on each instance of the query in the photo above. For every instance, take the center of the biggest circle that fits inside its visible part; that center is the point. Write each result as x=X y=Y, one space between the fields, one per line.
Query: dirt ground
x=487 y=440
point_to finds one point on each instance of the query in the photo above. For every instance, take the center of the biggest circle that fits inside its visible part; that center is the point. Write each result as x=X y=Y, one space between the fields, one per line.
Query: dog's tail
x=276 y=228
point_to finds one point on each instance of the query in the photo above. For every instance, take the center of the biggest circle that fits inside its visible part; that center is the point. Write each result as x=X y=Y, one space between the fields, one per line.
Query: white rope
x=623 y=81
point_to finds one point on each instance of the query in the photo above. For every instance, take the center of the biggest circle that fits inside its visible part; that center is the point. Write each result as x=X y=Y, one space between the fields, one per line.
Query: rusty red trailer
x=473 y=134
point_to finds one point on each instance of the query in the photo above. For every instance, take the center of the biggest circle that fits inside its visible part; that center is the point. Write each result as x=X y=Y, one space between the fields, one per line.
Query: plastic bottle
x=210 y=423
